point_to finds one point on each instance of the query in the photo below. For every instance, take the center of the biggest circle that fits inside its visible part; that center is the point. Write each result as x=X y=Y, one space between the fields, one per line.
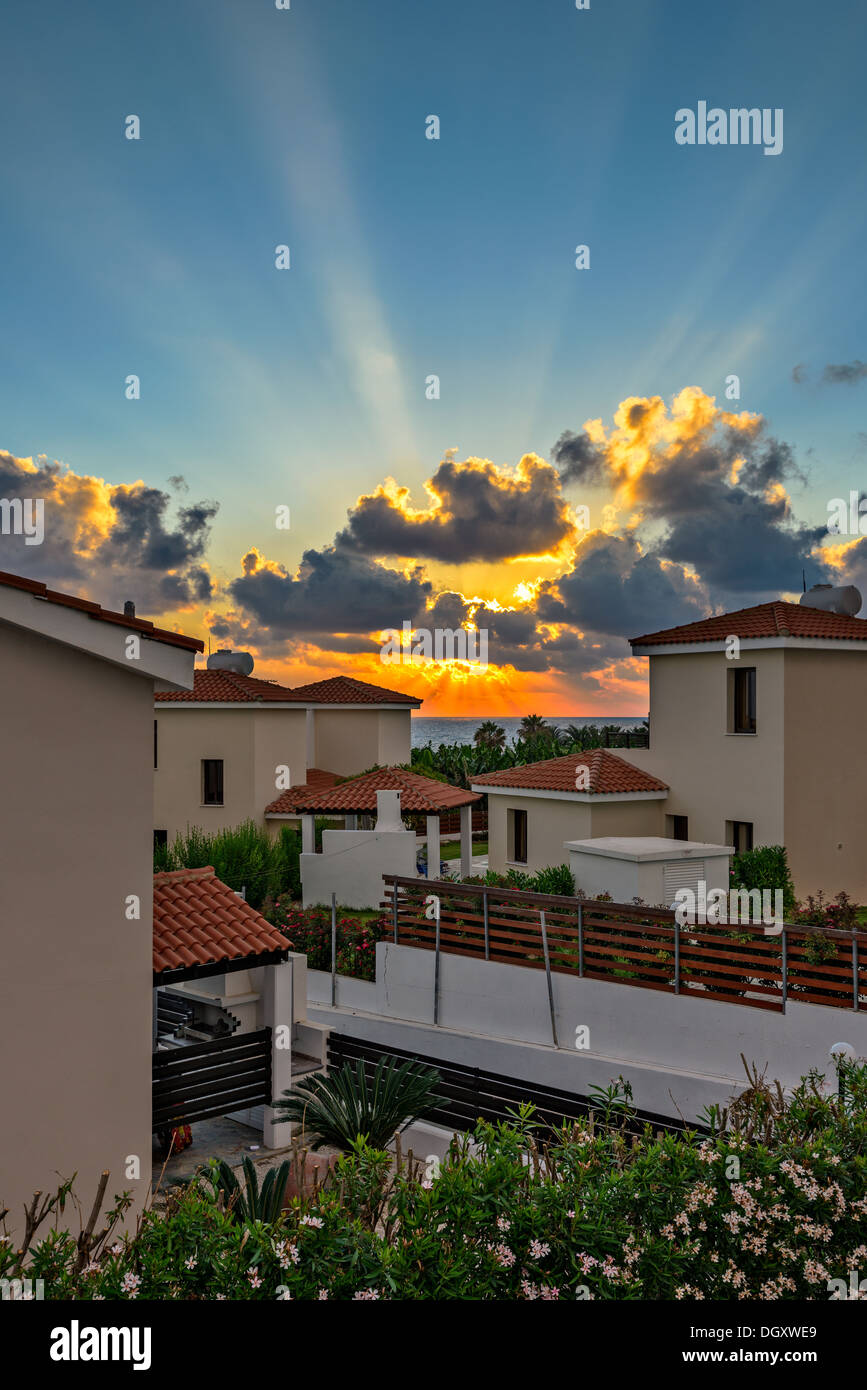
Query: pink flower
x=253 y=1276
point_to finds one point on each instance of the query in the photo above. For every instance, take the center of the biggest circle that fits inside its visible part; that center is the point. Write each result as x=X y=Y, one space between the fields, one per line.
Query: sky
x=466 y=428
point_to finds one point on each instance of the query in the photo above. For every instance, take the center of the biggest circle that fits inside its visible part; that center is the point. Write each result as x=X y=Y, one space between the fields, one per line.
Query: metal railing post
x=785 y=969
x=855 y=1001
x=436 y=1017
x=394 y=909
x=580 y=938
x=333 y=949
x=548 y=979
x=485 y=914
x=676 y=956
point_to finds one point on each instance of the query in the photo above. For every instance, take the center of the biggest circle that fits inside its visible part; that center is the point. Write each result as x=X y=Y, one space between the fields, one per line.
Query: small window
x=519 y=836
x=678 y=827
x=156 y=746
x=212 y=781
x=743 y=702
x=161 y=839
x=740 y=835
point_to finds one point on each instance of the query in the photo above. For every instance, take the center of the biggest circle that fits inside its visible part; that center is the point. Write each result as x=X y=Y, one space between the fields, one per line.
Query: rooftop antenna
x=804 y=580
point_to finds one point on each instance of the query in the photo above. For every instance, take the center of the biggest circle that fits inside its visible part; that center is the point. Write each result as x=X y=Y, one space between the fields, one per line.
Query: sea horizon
x=461 y=728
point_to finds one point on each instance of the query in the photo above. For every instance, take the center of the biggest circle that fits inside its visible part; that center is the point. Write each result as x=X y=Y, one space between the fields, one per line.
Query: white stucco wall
x=352 y=864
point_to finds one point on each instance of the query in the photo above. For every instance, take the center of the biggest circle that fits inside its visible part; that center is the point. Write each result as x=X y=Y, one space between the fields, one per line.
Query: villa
x=224 y=750
x=755 y=720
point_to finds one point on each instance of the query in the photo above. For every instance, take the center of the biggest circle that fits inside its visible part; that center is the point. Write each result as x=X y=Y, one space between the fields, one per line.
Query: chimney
x=129 y=609
x=388 y=811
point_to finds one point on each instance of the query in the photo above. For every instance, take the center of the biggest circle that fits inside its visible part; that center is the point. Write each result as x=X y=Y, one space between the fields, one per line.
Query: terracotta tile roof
x=198 y=920
x=103 y=615
x=776 y=619
x=359 y=795
x=230 y=687
x=609 y=775
x=346 y=690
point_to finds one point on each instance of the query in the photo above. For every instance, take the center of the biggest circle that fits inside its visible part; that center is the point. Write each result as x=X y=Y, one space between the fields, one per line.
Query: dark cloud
x=799 y=373
x=578 y=458
x=845 y=373
x=614 y=589
x=335 y=590
x=483 y=513
x=110 y=542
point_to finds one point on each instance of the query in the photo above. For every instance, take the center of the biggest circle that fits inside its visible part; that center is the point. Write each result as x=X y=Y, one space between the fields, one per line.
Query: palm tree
x=490 y=735
x=574 y=733
x=532 y=725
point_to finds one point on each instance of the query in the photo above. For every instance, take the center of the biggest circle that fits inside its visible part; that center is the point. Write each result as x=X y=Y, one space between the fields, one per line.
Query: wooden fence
x=737 y=963
x=205 y=1080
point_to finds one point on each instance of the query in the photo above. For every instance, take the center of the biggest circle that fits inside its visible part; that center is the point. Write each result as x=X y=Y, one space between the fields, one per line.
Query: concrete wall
x=76 y=835
x=716 y=776
x=551 y=822
x=826 y=771
x=251 y=742
x=680 y=1054
x=352 y=864
x=349 y=741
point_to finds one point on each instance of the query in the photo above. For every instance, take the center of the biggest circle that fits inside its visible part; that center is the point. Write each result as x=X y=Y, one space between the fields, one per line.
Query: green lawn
x=452 y=848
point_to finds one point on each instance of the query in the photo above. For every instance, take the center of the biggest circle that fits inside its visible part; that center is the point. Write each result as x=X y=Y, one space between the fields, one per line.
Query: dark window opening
x=212 y=781
x=519 y=837
x=744 y=701
x=741 y=835
x=679 y=826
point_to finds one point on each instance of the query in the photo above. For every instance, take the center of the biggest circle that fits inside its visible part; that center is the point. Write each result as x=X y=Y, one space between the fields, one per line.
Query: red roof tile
x=608 y=775
x=104 y=615
x=346 y=690
x=230 y=687
x=359 y=795
x=776 y=619
x=198 y=920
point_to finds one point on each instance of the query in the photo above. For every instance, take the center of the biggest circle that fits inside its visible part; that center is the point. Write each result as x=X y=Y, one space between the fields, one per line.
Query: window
x=156 y=746
x=743 y=701
x=678 y=827
x=740 y=835
x=161 y=839
x=212 y=781
x=518 y=836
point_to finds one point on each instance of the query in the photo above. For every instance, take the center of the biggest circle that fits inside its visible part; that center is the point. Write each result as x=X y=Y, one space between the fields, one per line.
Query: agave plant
x=349 y=1104
x=250 y=1202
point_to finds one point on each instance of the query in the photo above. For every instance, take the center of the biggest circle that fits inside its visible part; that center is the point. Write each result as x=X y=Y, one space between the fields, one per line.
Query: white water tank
x=226 y=660
x=845 y=600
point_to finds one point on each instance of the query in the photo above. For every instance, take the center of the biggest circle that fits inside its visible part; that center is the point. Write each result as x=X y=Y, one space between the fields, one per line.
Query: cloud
x=477 y=512
x=845 y=373
x=799 y=372
x=334 y=591
x=707 y=490
x=112 y=541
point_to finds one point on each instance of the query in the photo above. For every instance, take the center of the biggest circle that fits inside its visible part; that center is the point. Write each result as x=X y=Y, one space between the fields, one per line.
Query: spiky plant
x=348 y=1103
x=250 y=1202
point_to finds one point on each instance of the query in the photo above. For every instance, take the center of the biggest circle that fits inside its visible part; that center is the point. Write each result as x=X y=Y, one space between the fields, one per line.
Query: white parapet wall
x=352 y=864
x=680 y=1054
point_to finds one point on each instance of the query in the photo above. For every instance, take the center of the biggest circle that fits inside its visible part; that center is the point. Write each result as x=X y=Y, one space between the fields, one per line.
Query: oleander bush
x=770 y=1203
x=308 y=929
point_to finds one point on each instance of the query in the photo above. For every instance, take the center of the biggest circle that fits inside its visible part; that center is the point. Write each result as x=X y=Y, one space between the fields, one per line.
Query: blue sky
x=412 y=256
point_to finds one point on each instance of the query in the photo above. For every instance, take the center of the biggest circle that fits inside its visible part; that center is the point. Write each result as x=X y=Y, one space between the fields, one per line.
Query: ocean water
x=459 y=729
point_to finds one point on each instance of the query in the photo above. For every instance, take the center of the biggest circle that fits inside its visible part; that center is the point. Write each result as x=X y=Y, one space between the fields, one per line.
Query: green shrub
x=244 y=856
x=250 y=1202
x=770 y=1206
x=347 y=1104
x=767 y=867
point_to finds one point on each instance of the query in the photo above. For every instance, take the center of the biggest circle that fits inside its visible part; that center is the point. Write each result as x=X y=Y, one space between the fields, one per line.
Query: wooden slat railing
x=627 y=943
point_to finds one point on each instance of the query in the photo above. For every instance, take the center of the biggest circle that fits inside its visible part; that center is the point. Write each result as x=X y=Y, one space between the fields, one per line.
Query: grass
x=451 y=849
